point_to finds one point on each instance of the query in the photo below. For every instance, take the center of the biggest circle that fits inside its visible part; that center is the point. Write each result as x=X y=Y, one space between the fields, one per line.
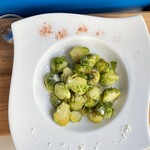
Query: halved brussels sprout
x=95 y=117
x=75 y=116
x=93 y=93
x=77 y=101
x=62 y=114
x=77 y=84
x=61 y=91
x=106 y=112
x=54 y=100
x=102 y=65
x=58 y=64
x=110 y=94
x=89 y=60
x=82 y=69
x=78 y=52
x=94 y=77
x=50 y=80
x=110 y=77
x=66 y=73
x=91 y=103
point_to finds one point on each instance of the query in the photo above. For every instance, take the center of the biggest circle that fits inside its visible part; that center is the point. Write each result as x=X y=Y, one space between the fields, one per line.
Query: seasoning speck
x=82 y=29
x=45 y=30
x=96 y=148
x=61 y=34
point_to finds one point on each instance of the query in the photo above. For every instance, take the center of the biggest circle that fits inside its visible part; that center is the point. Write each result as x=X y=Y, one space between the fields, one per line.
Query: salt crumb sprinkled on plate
x=32 y=131
x=62 y=145
x=81 y=147
x=49 y=144
x=126 y=129
x=96 y=148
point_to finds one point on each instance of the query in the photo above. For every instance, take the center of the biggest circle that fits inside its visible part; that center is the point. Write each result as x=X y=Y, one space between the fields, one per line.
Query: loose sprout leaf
x=113 y=64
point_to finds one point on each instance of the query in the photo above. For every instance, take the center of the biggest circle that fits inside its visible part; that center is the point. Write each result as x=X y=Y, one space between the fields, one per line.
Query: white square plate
x=37 y=39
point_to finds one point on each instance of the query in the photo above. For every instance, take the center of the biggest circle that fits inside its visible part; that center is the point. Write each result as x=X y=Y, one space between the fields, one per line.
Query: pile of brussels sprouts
x=83 y=89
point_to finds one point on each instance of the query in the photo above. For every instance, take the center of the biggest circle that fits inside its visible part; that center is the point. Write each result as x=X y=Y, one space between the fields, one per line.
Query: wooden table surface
x=6 y=62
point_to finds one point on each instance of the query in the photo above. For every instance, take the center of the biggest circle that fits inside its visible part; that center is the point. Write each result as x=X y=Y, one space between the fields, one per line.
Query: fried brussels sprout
x=78 y=52
x=110 y=94
x=93 y=77
x=54 y=100
x=58 y=64
x=77 y=101
x=61 y=91
x=89 y=60
x=91 y=103
x=82 y=69
x=66 y=73
x=106 y=112
x=95 y=117
x=50 y=80
x=110 y=77
x=75 y=116
x=93 y=93
x=62 y=114
x=102 y=65
x=77 y=84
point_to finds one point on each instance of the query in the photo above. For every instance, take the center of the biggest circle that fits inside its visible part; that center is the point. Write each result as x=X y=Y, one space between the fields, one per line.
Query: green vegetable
x=110 y=77
x=102 y=65
x=77 y=84
x=61 y=91
x=77 y=101
x=58 y=64
x=78 y=52
x=89 y=60
x=95 y=117
x=94 y=77
x=110 y=94
x=93 y=93
x=66 y=73
x=82 y=69
x=91 y=103
x=106 y=112
x=62 y=114
x=77 y=90
x=50 y=80
x=55 y=101
x=75 y=116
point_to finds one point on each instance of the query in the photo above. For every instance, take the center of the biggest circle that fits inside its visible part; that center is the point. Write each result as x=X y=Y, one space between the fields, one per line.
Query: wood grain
x=6 y=61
